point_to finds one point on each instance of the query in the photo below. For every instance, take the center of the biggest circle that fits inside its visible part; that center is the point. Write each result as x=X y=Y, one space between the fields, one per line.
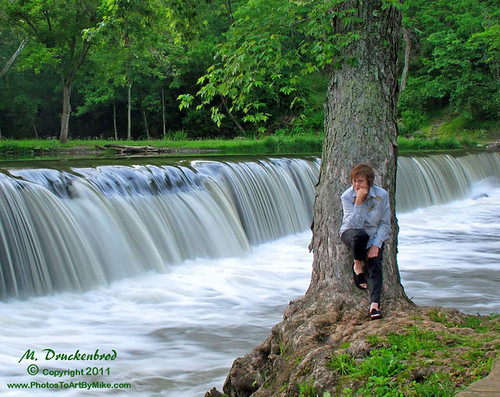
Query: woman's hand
x=361 y=194
x=373 y=252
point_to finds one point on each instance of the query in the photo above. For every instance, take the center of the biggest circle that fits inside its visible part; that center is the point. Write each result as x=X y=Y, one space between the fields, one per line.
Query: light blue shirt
x=373 y=216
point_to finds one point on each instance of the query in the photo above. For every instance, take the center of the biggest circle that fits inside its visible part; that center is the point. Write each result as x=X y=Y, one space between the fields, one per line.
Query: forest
x=157 y=69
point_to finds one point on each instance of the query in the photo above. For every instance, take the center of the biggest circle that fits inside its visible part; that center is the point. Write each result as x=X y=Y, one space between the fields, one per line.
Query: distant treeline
x=153 y=69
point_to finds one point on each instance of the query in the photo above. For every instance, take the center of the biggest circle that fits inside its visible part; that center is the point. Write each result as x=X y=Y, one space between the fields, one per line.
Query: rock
x=214 y=393
x=299 y=349
x=494 y=146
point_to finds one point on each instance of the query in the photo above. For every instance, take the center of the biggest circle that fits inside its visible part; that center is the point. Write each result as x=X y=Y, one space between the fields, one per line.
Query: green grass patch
x=446 y=123
x=477 y=323
x=436 y=144
x=278 y=144
x=417 y=361
x=342 y=363
x=300 y=144
x=458 y=126
x=307 y=389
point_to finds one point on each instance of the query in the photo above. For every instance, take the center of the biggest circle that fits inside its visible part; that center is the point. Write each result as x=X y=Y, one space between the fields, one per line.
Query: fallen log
x=131 y=149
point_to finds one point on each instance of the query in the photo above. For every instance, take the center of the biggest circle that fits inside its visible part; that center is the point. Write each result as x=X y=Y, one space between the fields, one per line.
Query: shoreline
x=270 y=145
x=327 y=352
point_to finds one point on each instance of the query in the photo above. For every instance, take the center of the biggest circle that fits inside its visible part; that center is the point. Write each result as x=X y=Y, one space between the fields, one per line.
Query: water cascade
x=439 y=179
x=74 y=230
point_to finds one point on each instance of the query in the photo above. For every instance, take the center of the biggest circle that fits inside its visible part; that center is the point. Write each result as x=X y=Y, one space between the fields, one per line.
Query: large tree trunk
x=360 y=126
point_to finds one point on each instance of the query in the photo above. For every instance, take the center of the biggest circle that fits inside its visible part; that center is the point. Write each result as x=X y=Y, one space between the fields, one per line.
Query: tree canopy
x=456 y=58
x=223 y=68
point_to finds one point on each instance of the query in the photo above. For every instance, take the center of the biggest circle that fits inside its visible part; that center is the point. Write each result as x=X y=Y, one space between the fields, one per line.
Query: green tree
x=263 y=60
x=55 y=28
x=139 y=49
x=21 y=91
x=133 y=38
x=129 y=41
x=101 y=85
x=197 y=56
x=455 y=60
x=360 y=126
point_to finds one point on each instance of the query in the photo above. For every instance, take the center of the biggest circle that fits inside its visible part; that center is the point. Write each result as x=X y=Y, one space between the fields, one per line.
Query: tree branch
x=81 y=58
x=12 y=58
x=224 y=102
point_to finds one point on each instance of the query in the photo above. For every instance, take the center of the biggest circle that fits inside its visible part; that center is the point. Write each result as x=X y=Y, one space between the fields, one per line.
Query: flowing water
x=181 y=269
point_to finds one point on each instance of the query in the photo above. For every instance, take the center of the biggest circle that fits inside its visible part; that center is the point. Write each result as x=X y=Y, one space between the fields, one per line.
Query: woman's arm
x=354 y=215
x=384 y=226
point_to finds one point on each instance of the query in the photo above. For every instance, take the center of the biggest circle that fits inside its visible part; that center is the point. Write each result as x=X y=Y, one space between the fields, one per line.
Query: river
x=175 y=330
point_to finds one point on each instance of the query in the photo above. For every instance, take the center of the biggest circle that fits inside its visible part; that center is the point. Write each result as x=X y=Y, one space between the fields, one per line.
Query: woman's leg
x=356 y=239
x=375 y=276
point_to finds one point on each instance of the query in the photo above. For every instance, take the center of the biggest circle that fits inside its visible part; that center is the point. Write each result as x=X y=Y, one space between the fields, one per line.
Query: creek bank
x=298 y=358
x=268 y=146
x=125 y=150
x=495 y=146
x=151 y=150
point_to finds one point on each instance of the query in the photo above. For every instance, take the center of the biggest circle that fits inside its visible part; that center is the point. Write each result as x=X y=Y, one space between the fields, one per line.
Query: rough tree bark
x=360 y=126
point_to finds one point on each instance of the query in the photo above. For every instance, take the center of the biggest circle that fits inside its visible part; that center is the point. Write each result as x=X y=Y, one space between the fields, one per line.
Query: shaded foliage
x=252 y=66
x=456 y=59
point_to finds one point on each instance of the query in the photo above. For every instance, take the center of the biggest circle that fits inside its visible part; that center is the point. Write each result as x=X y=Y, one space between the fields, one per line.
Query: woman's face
x=360 y=182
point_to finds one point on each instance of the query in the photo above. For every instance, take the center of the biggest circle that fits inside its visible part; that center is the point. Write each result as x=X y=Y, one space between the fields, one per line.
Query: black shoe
x=359 y=279
x=375 y=314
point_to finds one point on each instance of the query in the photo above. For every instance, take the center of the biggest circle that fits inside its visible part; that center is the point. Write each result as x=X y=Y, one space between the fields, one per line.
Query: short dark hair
x=363 y=170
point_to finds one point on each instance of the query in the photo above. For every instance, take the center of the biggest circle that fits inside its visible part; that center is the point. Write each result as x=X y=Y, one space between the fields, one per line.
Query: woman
x=366 y=224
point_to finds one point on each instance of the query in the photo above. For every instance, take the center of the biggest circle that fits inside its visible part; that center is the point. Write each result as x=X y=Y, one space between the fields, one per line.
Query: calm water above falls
x=177 y=332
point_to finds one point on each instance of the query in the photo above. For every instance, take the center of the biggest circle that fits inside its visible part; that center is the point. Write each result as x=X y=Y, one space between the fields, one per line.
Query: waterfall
x=77 y=229
x=438 y=179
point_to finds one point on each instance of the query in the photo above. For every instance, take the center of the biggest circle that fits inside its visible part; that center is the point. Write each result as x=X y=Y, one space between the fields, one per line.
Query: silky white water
x=177 y=330
x=449 y=255
x=176 y=334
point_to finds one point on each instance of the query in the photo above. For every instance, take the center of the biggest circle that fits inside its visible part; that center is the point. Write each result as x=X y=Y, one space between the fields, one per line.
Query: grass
x=270 y=145
x=307 y=389
x=418 y=361
x=424 y=144
x=447 y=124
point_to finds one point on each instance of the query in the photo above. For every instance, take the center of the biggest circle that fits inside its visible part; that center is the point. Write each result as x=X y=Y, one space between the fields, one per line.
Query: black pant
x=356 y=239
